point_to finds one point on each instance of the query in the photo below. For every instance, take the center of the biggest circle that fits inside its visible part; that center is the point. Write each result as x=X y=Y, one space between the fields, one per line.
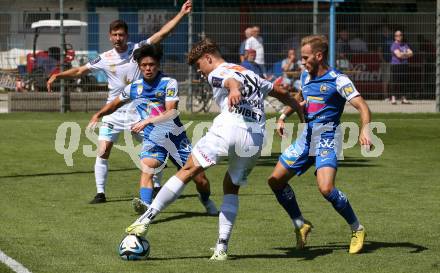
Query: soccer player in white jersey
x=325 y=91
x=121 y=70
x=236 y=133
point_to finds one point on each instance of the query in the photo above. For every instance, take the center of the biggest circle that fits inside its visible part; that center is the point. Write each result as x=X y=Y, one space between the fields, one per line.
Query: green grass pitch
x=47 y=224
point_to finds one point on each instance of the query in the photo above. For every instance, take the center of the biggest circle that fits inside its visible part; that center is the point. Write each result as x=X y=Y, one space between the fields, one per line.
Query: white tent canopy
x=57 y=23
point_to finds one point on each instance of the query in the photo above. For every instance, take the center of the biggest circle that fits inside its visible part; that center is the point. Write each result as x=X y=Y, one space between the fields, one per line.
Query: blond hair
x=318 y=43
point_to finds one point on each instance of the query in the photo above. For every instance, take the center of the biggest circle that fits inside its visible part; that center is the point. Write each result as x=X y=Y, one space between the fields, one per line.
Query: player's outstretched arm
x=74 y=72
x=170 y=113
x=105 y=110
x=292 y=105
x=170 y=25
x=364 y=135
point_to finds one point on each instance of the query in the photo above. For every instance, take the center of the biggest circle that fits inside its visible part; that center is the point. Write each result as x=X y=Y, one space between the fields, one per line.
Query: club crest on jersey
x=113 y=68
x=139 y=89
x=171 y=92
x=217 y=82
x=159 y=94
x=348 y=89
x=323 y=88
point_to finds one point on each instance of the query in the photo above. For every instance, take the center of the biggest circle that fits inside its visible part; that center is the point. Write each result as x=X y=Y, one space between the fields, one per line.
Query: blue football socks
x=146 y=195
x=342 y=206
x=286 y=198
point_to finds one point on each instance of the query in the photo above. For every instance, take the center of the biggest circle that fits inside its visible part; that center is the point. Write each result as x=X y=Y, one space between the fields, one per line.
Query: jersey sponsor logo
x=248 y=114
x=171 y=92
x=327 y=143
x=348 y=89
x=205 y=156
x=96 y=60
x=217 y=82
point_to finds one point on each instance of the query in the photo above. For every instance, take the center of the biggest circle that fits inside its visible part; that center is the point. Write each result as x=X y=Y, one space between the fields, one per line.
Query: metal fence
x=363 y=49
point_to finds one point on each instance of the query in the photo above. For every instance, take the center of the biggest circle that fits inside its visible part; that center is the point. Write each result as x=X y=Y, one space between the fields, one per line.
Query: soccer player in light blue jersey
x=325 y=93
x=155 y=99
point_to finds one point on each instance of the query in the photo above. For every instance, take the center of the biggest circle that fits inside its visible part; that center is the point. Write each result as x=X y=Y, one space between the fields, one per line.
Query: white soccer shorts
x=120 y=120
x=241 y=146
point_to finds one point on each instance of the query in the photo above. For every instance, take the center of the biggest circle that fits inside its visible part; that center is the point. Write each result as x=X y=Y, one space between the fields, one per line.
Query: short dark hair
x=202 y=47
x=118 y=24
x=154 y=51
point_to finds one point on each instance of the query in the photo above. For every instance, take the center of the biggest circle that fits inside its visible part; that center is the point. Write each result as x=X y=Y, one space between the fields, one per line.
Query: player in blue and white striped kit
x=155 y=99
x=325 y=93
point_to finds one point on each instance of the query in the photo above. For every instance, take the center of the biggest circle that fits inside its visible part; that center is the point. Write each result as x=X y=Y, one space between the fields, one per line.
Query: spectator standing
x=401 y=52
x=242 y=51
x=255 y=42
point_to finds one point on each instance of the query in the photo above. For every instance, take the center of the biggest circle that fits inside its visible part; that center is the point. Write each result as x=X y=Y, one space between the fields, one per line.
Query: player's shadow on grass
x=312 y=252
x=271 y=161
x=61 y=173
x=356 y=162
x=262 y=161
x=119 y=199
x=182 y=215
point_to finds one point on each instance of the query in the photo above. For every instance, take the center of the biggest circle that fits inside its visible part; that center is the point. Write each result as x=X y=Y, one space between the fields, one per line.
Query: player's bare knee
x=325 y=190
x=275 y=183
x=201 y=179
x=188 y=172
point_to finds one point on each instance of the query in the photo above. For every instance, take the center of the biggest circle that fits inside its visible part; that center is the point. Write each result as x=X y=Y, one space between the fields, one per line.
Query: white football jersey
x=250 y=109
x=120 y=68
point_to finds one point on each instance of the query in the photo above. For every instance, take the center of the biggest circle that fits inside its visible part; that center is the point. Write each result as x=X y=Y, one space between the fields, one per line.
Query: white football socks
x=226 y=219
x=101 y=172
x=168 y=194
